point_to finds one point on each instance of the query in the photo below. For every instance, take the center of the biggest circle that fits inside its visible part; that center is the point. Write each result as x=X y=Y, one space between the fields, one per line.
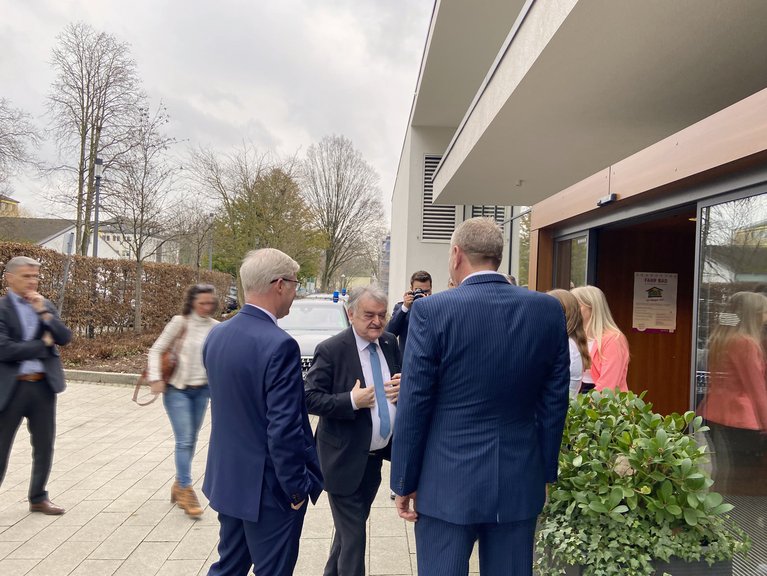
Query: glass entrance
x=571 y=258
x=730 y=352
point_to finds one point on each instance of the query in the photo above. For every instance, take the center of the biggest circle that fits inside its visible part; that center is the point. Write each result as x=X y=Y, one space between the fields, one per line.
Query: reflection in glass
x=731 y=378
x=520 y=245
x=571 y=262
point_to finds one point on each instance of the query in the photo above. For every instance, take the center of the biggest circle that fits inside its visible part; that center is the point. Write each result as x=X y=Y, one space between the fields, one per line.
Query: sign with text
x=654 y=302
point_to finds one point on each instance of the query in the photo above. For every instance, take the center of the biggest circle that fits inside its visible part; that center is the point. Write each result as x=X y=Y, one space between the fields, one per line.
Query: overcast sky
x=280 y=73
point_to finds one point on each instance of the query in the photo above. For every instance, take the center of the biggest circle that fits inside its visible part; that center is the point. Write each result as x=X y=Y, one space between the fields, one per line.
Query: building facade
x=631 y=138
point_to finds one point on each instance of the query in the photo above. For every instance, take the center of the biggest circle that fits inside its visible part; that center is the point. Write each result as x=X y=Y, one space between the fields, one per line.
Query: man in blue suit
x=482 y=405
x=262 y=463
x=420 y=286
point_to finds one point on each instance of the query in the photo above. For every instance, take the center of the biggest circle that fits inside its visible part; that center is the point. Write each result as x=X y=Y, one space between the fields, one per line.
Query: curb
x=111 y=378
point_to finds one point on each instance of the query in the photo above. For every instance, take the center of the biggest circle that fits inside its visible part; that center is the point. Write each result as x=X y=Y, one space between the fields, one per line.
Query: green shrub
x=632 y=488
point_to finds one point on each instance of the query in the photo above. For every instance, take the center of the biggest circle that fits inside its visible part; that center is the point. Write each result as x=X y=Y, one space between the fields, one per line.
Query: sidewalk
x=113 y=470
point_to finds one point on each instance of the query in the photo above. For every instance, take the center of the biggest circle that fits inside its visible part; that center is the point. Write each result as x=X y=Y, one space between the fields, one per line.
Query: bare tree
x=17 y=137
x=92 y=103
x=341 y=189
x=196 y=220
x=138 y=195
x=261 y=206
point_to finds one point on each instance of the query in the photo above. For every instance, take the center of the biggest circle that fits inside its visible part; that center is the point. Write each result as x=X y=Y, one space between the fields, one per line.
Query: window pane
x=571 y=262
x=520 y=246
x=731 y=392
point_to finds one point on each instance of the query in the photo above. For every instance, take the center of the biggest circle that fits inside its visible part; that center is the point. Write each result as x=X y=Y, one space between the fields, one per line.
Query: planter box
x=678 y=568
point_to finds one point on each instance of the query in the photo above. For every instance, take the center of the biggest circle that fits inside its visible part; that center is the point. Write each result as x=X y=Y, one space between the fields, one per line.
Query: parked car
x=310 y=322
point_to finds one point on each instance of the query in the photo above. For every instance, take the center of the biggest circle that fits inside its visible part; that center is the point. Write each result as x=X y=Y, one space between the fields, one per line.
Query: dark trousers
x=270 y=545
x=444 y=549
x=350 y=515
x=36 y=402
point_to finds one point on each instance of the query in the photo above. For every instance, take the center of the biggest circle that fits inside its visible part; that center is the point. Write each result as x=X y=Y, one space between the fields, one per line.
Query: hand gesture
x=47 y=339
x=36 y=300
x=392 y=388
x=407 y=299
x=363 y=397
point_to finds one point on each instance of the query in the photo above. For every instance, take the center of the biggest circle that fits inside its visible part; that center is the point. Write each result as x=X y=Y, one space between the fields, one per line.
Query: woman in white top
x=580 y=361
x=186 y=395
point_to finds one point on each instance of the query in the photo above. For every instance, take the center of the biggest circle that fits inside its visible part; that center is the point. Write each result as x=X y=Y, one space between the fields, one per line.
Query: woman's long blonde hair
x=743 y=317
x=574 y=321
x=601 y=320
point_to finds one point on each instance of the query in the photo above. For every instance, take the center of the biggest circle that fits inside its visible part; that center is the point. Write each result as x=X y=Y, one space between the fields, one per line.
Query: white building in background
x=55 y=233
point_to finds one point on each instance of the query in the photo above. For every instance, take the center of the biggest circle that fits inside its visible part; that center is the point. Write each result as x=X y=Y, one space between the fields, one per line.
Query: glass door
x=730 y=357
x=571 y=261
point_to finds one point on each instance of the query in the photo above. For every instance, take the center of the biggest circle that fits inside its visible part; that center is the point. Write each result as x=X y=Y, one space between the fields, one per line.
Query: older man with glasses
x=262 y=464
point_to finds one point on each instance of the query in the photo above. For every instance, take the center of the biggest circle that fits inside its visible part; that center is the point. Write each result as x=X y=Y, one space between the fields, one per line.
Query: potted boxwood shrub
x=633 y=497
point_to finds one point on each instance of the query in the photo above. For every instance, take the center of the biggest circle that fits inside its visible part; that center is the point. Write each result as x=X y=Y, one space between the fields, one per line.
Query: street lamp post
x=97 y=170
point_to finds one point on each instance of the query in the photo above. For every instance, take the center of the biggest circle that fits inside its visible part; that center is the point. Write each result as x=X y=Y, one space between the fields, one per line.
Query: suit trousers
x=350 y=514
x=444 y=549
x=270 y=545
x=36 y=402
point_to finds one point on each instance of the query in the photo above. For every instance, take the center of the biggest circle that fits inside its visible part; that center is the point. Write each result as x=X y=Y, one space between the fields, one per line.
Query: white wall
x=408 y=252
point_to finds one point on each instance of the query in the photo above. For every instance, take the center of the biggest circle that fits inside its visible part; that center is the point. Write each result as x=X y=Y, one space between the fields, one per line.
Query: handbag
x=168 y=366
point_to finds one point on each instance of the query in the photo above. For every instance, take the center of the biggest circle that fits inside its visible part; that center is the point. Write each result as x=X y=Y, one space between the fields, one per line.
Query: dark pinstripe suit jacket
x=482 y=402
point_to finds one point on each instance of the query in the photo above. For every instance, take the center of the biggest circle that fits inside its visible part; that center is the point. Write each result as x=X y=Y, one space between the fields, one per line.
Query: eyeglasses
x=296 y=282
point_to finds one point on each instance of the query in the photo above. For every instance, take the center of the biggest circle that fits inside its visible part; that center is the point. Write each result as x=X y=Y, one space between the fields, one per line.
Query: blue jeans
x=186 y=410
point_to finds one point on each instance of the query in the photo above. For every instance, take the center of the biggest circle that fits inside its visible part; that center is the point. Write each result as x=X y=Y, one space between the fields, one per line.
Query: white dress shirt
x=376 y=442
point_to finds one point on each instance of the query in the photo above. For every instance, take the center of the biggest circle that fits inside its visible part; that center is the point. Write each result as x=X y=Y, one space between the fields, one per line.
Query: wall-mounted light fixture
x=605 y=200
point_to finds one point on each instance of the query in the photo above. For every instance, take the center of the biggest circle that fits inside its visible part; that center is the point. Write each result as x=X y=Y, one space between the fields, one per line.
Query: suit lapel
x=387 y=346
x=352 y=359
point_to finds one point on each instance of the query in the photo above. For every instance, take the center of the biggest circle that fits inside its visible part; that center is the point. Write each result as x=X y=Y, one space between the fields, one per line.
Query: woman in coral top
x=608 y=346
x=736 y=403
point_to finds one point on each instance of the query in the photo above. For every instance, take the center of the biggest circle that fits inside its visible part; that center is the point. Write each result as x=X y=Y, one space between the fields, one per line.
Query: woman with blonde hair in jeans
x=608 y=347
x=186 y=396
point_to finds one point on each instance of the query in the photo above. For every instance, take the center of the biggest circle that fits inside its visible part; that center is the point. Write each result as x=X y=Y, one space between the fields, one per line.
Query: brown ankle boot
x=174 y=492
x=187 y=500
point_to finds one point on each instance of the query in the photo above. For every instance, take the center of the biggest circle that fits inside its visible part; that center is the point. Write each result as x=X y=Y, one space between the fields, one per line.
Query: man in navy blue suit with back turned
x=262 y=464
x=482 y=405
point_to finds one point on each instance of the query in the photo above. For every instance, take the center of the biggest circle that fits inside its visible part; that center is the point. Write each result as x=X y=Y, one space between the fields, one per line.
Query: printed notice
x=654 y=302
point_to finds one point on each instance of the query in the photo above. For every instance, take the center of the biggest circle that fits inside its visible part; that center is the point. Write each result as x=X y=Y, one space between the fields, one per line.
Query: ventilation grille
x=497 y=213
x=438 y=220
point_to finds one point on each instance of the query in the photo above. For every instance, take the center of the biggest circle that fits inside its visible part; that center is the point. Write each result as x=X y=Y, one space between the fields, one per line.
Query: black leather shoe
x=46 y=507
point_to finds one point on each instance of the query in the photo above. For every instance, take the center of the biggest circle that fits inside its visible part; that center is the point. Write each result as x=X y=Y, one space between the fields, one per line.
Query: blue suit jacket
x=398 y=325
x=261 y=445
x=482 y=402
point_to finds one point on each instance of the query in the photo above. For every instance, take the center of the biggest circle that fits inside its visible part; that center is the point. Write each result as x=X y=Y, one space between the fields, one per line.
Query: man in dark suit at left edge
x=31 y=374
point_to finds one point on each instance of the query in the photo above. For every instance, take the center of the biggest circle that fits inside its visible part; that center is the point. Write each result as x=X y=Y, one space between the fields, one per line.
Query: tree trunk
x=137 y=297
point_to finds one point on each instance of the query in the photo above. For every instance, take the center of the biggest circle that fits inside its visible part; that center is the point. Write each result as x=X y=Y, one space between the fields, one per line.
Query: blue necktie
x=383 y=406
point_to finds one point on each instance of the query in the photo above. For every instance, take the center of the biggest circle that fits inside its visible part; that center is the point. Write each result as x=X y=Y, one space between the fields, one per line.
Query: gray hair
x=481 y=239
x=20 y=261
x=260 y=268
x=371 y=290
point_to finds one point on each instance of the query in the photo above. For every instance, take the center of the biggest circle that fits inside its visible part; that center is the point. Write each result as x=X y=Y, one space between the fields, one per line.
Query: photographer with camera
x=420 y=286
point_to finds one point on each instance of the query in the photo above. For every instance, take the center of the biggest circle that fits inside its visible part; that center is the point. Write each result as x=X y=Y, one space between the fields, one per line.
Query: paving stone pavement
x=112 y=471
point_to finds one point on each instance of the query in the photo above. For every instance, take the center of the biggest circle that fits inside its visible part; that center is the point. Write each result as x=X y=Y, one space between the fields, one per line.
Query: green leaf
x=674 y=509
x=713 y=499
x=619 y=509
x=691 y=516
x=692 y=500
x=722 y=509
x=577 y=461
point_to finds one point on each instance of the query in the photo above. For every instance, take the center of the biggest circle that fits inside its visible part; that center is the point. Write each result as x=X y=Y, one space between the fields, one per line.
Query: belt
x=33 y=377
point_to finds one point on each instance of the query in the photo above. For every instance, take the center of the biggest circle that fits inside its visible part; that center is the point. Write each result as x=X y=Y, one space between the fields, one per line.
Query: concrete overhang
x=583 y=84
x=464 y=39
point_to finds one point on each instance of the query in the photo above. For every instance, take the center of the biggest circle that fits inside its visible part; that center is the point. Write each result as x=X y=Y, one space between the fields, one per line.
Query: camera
x=418 y=293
